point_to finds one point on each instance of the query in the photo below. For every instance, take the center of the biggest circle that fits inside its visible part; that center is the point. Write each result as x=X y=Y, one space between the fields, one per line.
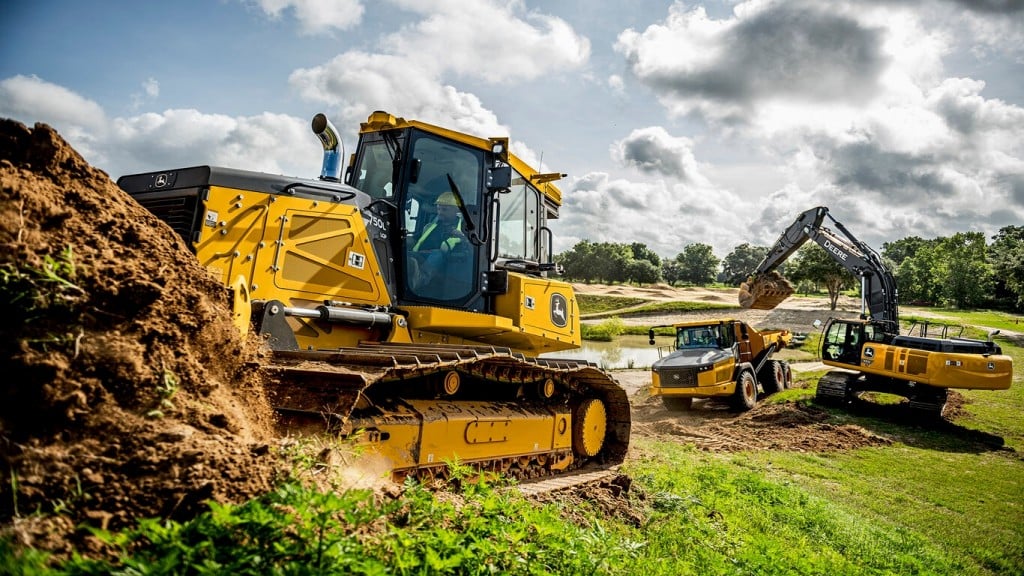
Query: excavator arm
x=766 y=289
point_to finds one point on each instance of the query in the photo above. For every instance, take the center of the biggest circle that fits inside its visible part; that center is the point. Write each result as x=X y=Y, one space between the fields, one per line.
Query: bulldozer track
x=565 y=481
x=328 y=388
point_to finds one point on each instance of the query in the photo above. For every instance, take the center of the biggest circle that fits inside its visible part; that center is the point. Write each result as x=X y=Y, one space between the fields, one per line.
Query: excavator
x=869 y=351
x=423 y=357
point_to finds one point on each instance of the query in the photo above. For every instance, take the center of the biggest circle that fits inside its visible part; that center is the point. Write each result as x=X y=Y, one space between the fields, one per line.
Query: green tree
x=697 y=264
x=643 y=272
x=1006 y=253
x=743 y=259
x=611 y=262
x=812 y=263
x=915 y=265
x=579 y=263
x=671 y=271
x=899 y=250
x=642 y=252
x=964 y=272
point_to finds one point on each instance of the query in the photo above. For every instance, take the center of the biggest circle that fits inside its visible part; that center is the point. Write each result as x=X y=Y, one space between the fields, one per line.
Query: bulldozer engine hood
x=693 y=358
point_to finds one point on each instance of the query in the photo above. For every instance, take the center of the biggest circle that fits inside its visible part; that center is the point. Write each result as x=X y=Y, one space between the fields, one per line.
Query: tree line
x=962 y=270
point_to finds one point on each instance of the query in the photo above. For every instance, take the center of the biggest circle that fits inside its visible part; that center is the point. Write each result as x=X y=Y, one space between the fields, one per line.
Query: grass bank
x=945 y=499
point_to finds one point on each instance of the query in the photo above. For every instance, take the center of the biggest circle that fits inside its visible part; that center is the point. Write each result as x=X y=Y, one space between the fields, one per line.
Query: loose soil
x=130 y=394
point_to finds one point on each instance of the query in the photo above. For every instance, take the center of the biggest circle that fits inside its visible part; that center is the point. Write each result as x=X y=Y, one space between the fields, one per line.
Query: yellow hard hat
x=447 y=199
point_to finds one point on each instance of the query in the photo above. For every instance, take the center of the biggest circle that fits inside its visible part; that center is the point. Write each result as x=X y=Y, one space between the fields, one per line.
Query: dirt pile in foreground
x=126 y=391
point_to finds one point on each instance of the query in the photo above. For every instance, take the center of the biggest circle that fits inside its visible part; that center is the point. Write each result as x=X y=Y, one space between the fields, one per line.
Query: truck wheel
x=677 y=404
x=745 y=396
x=773 y=377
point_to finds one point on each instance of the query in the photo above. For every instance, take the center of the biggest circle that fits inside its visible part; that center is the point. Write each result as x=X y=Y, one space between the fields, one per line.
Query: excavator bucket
x=764 y=291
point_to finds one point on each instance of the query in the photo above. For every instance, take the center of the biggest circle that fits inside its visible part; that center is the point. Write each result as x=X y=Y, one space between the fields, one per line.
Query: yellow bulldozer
x=406 y=302
x=719 y=358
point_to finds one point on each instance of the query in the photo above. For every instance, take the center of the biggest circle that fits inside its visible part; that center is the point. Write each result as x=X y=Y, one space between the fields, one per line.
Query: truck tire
x=676 y=403
x=745 y=396
x=773 y=377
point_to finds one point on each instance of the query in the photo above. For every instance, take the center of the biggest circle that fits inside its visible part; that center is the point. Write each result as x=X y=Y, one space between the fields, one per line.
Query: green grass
x=938 y=500
x=987 y=318
x=595 y=304
x=669 y=307
x=741 y=514
x=606 y=331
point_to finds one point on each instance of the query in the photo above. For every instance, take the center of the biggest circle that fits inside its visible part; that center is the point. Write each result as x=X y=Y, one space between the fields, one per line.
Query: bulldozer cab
x=467 y=212
x=419 y=176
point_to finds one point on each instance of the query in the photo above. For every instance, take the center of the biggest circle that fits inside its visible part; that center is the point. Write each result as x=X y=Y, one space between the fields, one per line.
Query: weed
x=606 y=331
x=30 y=292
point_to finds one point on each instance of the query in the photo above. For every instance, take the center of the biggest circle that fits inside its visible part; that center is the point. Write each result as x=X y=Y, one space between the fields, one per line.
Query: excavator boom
x=766 y=289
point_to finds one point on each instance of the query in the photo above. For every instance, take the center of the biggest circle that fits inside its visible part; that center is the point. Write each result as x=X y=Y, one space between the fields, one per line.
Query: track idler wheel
x=452 y=383
x=590 y=424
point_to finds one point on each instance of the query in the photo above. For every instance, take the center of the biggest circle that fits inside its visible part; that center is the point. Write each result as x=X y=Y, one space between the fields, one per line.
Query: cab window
x=373 y=175
x=520 y=220
x=440 y=261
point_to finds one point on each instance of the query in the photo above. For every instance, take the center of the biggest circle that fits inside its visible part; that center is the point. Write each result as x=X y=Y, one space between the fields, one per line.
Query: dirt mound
x=714 y=427
x=612 y=496
x=128 y=393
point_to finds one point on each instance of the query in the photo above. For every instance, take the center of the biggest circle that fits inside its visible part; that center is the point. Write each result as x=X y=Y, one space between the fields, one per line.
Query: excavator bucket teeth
x=765 y=291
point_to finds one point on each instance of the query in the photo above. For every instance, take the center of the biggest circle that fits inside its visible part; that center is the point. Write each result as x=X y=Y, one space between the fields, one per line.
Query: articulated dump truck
x=406 y=302
x=720 y=358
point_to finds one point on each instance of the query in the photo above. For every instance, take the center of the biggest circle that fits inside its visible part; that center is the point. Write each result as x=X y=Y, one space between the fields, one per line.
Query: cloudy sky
x=676 y=122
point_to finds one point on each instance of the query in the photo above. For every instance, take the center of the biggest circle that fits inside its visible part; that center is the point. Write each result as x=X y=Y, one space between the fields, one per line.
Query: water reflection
x=624 y=352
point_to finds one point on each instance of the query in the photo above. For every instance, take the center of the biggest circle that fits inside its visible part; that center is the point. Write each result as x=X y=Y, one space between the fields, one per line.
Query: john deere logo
x=559 y=315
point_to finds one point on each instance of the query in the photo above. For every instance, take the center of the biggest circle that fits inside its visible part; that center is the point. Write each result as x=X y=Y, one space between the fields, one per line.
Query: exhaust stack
x=328 y=136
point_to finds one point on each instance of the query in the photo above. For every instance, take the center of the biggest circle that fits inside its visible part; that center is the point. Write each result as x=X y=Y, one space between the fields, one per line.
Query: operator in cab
x=439 y=252
x=445 y=232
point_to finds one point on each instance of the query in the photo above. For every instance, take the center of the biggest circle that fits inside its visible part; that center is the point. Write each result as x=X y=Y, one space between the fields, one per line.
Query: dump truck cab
x=722 y=358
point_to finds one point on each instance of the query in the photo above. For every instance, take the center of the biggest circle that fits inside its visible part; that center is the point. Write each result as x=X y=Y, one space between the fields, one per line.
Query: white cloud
x=853 y=104
x=151 y=87
x=654 y=151
x=664 y=216
x=317 y=16
x=30 y=96
x=487 y=40
x=493 y=41
x=170 y=139
x=722 y=69
x=150 y=91
x=350 y=82
x=617 y=84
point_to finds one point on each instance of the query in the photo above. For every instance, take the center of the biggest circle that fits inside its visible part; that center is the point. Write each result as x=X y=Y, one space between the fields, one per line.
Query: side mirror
x=650 y=335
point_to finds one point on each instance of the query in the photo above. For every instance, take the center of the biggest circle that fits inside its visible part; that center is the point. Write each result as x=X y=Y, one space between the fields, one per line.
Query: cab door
x=843 y=342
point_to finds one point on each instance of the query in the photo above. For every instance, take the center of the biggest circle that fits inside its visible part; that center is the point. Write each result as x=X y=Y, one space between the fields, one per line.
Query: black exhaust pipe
x=328 y=136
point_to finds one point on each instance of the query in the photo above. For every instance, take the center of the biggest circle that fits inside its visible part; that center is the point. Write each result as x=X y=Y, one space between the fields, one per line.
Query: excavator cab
x=842 y=342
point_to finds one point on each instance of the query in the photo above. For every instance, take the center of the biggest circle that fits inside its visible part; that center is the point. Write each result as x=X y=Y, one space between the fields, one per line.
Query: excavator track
x=423 y=406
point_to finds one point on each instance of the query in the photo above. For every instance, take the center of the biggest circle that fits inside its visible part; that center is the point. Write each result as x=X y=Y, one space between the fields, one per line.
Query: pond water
x=623 y=352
